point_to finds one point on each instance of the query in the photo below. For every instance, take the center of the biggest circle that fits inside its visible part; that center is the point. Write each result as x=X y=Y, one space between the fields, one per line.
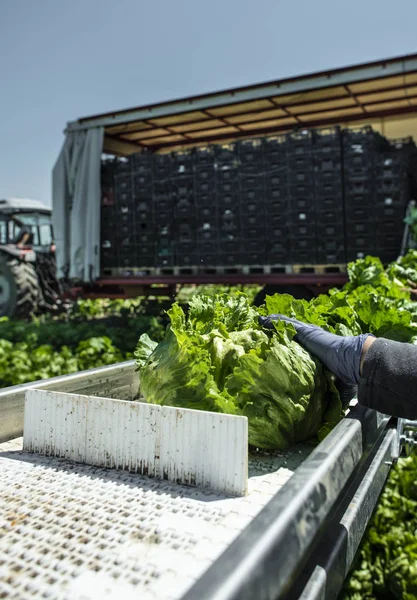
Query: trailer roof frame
x=378 y=89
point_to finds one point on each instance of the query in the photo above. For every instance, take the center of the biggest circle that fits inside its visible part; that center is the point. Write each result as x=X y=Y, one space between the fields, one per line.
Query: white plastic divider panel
x=203 y=449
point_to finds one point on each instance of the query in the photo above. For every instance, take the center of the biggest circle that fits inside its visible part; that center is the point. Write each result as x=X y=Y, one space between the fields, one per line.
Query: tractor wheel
x=20 y=293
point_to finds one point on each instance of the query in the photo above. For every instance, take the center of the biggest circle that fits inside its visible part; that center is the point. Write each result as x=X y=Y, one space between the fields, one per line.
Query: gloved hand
x=341 y=355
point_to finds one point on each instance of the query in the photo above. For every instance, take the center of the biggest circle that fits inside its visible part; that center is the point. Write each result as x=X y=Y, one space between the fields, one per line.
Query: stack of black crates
x=323 y=196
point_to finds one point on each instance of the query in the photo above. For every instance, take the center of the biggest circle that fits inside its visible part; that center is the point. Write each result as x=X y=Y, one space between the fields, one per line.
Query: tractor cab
x=27 y=258
x=26 y=223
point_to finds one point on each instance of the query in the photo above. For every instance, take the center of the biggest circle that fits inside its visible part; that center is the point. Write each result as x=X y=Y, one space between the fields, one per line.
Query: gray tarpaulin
x=76 y=194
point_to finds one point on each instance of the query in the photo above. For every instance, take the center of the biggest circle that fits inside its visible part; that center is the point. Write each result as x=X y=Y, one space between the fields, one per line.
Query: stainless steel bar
x=113 y=381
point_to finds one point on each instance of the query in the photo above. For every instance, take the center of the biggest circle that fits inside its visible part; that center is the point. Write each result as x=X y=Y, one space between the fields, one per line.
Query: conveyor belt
x=82 y=532
x=79 y=532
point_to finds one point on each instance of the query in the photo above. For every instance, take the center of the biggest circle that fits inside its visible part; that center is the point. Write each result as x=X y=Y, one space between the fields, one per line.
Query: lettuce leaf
x=218 y=358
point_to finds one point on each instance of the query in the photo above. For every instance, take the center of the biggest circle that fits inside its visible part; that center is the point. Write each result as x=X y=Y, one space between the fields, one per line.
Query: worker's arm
x=385 y=371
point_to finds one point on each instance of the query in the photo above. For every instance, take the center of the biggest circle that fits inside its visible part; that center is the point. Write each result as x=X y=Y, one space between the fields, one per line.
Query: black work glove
x=341 y=355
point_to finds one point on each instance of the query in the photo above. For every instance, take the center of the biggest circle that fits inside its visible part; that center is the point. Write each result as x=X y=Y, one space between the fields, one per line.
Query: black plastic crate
x=359 y=200
x=205 y=174
x=162 y=167
x=145 y=237
x=183 y=187
x=330 y=215
x=185 y=232
x=163 y=218
x=303 y=229
x=331 y=257
x=207 y=246
x=304 y=216
x=299 y=142
x=302 y=203
x=227 y=187
x=165 y=261
x=164 y=202
x=332 y=203
x=144 y=210
x=354 y=228
x=330 y=230
x=389 y=185
x=299 y=177
x=388 y=255
x=359 y=240
x=390 y=226
x=276 y=195
x=230 y=246
x=231 y=260
x=123 y=198
x=355 y=253
x=251 y=181
x=305 y=189
x=204 y=188
x=253 y=245
x=142 y=181
x=207 y=260
x=255 y=219
x=130 y=261
x=358 y=160
x=123 y=183
x=362 y=214
x=303 y=256
x=361 y=140
x=357 y=186
x=227 y=173
x=122 y=165
x=226 y=154
x=188 y=260
x=390 y=211
x=252 y=207
x=277 y=230
x=252 y=258
x=108 y=260
x=328 y=187
x=250 y=156
x=328 y=164
x=304 y=243
x=389 y=239
x=228 y=202
x=251 y=232
x=184 y=210
x=204 y=156
x=300 y=164
x=207 y=234
x=229 y=225
x=327 y=140
x=182 y=163
x=276 y=207
x=330 y=244
x=274 y=148
x=206 y=212
x=276 y=180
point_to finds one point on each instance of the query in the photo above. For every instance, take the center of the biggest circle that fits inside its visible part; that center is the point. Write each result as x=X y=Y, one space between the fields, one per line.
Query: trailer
x=380 y=95
x=107 y=496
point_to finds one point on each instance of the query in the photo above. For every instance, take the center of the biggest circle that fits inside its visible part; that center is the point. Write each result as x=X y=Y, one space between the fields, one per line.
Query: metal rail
x=114 y=381
x=265 y=561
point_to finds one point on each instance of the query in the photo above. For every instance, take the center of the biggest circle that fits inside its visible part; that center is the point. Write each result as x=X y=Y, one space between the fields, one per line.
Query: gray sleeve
x=389 y=379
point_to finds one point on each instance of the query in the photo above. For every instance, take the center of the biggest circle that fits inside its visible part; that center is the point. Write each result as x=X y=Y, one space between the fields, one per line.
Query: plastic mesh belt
x=70 y=531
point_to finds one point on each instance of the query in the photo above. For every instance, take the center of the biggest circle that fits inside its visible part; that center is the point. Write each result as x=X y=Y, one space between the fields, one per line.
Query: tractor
x=28 y=282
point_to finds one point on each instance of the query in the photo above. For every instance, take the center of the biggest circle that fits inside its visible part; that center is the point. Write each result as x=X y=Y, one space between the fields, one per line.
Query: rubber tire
x=25 y=293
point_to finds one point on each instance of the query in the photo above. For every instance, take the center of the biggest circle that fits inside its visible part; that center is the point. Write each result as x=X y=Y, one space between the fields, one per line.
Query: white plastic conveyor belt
x=81 y=532
x=78 y=531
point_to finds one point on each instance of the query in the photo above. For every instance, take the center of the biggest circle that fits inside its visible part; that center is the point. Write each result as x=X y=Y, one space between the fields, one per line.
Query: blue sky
x=60 y=60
